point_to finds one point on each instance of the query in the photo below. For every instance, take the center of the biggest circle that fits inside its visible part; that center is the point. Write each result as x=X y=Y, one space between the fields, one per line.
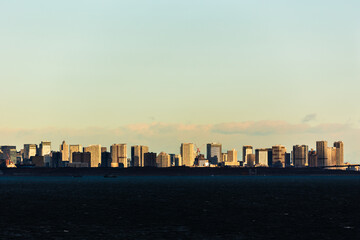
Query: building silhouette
x=261 y=157
x=74 y=148
x=339 y=153
x=45 y=151
x=64 y=149
x=150 y=159
x=322 y=151
x=8 y=153
x=246 y=150
x=106 y=159
x=312 y=158
x=95 y=151
x=300 y=155
x=213 y=153
x=250 y=160
x=81 y=159
x=119 y=155
x=163 y=160
x=187 y=154
x=137 y=155
x=30 y=150
x=278 y=156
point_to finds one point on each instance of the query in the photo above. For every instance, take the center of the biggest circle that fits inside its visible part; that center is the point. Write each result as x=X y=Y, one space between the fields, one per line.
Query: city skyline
x=109 y=71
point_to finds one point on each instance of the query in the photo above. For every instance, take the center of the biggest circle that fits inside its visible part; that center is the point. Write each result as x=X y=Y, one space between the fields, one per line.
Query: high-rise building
x=137 y=155
x=29 y=151
x=150 y=159
x=214 y=152
x=163 y=160
x=250 y=160
x=270 y=157
x=119 y=155
x=246 y=150
x=224 y=157
x=278 y=156
x=45 y=151
x=64 y=149
x=106 y=159
x=339 y=153
x=8 y=153
x=74 y=148
x=95 y=151
x=312 y=158
x=187 y=154
x=261 y=157
x=81 y=159
x=232 y=156
x=56 y=160
x=333 y=156
x=322 y=153
x=300 y=155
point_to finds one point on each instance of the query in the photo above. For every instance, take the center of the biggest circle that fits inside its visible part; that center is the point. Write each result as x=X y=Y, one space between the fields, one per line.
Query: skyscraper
x=300 y=155
x=137 y=155
x=45 y=151
x=29 y=151
x=246 y=150
x=150 y=159
x=64 y=149
x=322 y=153
x=214 y=152
x=74 y=148
x=187 y=154
x=163 y=160
x=312 y=158
x=119 y=155
x=95 y=152
x=278 y=156
x=261 y=157
x=232 y=155
x=339 y=152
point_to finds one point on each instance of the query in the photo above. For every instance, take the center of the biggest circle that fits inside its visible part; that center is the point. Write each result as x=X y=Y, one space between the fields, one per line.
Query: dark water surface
x=180 y=207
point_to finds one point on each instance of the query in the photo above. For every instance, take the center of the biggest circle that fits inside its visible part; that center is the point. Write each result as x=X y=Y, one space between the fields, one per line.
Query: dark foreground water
x=180 y=207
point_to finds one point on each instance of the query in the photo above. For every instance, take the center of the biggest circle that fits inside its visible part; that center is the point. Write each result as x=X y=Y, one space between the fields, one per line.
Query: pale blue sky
x=108 y=64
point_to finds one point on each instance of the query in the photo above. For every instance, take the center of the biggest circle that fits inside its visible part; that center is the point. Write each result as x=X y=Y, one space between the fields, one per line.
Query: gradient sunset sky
x=159 y=73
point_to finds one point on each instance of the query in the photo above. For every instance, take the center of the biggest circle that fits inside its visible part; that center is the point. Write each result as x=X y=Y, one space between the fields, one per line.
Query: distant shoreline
x=174 y=171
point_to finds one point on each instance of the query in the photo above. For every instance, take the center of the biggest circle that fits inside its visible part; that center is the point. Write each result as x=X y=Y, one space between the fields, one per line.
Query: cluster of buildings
x=96 y=156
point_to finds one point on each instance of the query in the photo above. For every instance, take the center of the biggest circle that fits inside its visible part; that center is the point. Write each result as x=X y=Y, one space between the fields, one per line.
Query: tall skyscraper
x=163 y=160
x=246 y=150
x=278 y=156
x=150 y=159
x=214 y=152
x=322 y=153
x=187 y=154
x=29 y=151
x=95 y=152
x=119 y=155
x=137 y=155
x=74 y=148
x=300 y=155
x=312 y=158
x=250 y=160
x=64 y=149
x=261 y=157
x=339 y=152
x=45 y=151
x=232 y=156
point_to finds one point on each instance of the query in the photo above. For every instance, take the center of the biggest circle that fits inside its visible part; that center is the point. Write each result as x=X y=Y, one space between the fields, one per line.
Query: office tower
x=81 y=159
x=64 y=149
x=137 y=155
x=287 y=159
x=106 y=159
x=119 y=155
x=29 y=151
x=312 y=158
x=8 y=153
x=163 y=160
x=270 y=157
x=213 y=153
x=300 y=155
x=175 y=160
x=278 y=156
x=339 y=153
x=232 y=156
x=74 y=148
x=246 y=150
x=333 y=156
x=250 y=160
x=56 y=160
x=187 y=154
x=45 y=151
x=150 y=159
x=95 y=152
x=261 y=157
x=322 y=153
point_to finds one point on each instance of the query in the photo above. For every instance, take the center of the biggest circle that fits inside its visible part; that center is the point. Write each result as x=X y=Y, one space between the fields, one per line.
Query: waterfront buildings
x=74 y=148
x=45 y=151
x=119 y=155
x=95 y=152
x=187 y=154
x=30 y=150
x=150 y=159
x=8 y=153
x=261 y=157
x=300 y=155
x=64 y=149
x=246 y=150
x=214 y=152
x=137 y=155
x=322 y=153
x=278 y=156
x=339 y=152
x=250 y=160
x=232 y=156
x=312 y=158
x=163 y=160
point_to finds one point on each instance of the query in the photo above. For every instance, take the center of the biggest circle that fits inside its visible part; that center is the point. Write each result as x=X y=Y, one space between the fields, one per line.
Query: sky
x=162 y=72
